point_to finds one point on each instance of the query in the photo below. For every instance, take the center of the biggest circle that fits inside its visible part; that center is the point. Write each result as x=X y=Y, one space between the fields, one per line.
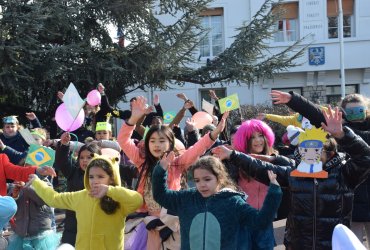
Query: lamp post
x=341 y=45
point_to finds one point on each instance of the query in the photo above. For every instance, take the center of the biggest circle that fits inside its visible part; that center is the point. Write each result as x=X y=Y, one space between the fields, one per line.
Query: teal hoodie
x=212 y=223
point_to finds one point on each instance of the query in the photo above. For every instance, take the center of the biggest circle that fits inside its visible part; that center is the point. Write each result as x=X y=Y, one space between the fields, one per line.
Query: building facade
x=317 y=77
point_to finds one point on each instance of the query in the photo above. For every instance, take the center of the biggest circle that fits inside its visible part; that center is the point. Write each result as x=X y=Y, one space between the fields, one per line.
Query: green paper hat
x=103 y=126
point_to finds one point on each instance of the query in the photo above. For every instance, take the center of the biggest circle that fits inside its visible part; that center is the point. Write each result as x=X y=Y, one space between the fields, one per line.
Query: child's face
x=38 y=140
x=257 y=143
x=158 y=144
x=98 y=176
x=85 y=158
x=206 y=182
x=102 y=135
x=10 y=129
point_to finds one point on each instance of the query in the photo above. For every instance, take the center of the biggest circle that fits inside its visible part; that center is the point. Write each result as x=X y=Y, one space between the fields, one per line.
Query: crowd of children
x=159 y=186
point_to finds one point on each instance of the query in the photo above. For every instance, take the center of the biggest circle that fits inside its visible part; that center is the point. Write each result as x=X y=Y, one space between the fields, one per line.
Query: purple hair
x=245 y=131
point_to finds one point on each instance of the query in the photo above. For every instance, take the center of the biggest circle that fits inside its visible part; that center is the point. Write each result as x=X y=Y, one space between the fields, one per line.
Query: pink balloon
x=201 y=119
x=65 y=120
x=93 y=97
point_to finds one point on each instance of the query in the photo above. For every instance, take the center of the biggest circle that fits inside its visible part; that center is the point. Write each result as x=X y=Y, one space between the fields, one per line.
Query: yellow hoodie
x=95 y=229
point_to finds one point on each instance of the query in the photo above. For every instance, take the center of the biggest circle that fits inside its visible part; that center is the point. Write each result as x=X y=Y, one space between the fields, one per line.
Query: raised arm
x=161 y=194
x=52 y=198
x=63 y=161
x=301 y=105
x=253 y=167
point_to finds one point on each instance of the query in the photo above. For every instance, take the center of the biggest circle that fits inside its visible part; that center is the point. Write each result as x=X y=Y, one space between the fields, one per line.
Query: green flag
x=40 y=156
x=169 y=116
x=228 y=103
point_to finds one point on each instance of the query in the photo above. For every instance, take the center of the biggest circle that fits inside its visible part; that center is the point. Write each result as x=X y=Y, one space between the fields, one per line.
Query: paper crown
x=313 y=137
x=12 y=119
x=103 y=126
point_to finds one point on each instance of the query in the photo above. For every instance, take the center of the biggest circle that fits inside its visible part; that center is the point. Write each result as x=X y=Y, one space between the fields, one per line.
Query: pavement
x=279 y=229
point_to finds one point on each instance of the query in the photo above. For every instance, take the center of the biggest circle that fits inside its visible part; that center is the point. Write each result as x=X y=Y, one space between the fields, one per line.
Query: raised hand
x=221 y=152
x=98 y=191
x=333 y=121
x=31 y=116
x=272 y=177
x=220 y=127
x=279 y=97
x=138 y=109
x=60 y=95
x=156 y=100
x=167 y=159
x=190 y=125
x=213 y=95
x=65 y=138
x=182 y=96
x=188 y=104
x=101 y=88
x=46 y=171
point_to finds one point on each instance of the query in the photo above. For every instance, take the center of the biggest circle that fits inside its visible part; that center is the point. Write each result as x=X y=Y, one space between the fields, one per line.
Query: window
x=213 y=43
x=287 y=27
x=204 y=94
x=333 y=93
x=333 y=21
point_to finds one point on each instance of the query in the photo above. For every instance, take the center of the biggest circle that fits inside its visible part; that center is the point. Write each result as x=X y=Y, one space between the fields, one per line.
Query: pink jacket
x=255 y=190
x=13 y=172
x=180 y=163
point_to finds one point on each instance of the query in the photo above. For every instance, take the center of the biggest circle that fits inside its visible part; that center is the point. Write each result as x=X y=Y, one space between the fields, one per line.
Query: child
x=32 y=224
x=317 y=205
x=8 y=170
x=355 y=116
x=101 y=208
x=74 y=172
x=13 y=143
x=158 y=140
x=256 y=137
x=211 y=214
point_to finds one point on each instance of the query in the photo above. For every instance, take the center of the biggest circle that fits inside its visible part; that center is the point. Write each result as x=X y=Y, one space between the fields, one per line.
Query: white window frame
x=285 y=31
x=209 y=35
x=351 y=19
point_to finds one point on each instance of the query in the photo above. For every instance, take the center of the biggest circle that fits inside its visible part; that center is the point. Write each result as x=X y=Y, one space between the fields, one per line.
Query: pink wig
x=245 y=131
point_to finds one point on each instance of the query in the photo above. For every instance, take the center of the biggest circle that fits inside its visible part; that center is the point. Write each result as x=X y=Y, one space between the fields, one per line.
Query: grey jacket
x=33 y=215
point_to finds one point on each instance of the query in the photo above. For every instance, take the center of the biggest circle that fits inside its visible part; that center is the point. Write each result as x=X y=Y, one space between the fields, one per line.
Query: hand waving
x=333 y=121
x=279 y=97
x=167 y=159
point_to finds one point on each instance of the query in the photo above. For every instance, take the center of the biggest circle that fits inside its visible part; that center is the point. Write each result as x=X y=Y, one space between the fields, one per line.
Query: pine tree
x=46 y=44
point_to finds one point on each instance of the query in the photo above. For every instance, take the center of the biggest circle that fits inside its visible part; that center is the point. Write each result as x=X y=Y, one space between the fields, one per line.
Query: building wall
x=313 y=81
